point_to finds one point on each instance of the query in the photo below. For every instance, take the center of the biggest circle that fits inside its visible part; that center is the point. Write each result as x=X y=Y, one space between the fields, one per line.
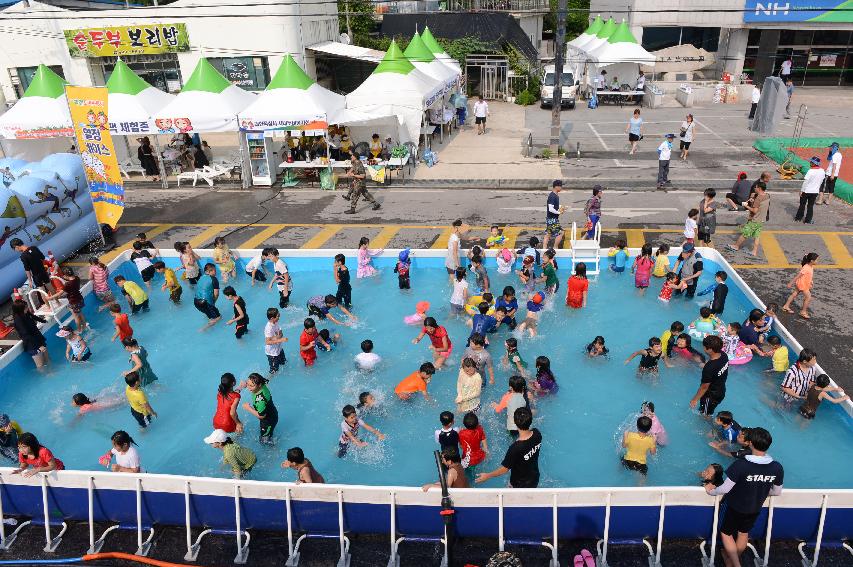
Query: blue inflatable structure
x=45 y=204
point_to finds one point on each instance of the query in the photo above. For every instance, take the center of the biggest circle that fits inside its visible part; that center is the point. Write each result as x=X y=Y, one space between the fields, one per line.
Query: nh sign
x=772 y=8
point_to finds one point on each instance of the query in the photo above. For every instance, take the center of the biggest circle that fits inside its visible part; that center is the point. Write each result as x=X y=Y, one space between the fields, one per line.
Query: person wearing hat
x=239 y=458
x=664 y=153
x=689 y=268
x=812 y=182
x=8 y=438
x=833 y=168
x=553 y=210
x=759 y=213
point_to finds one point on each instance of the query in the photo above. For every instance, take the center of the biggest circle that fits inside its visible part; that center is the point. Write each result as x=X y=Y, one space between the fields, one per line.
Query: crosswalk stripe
x=635 y=237
x=322 y=237
x=207 y=235
x=511 y=234
x=441 y=241
x=262 y=236
x=385 y=235
x=773 y=251
x=838 y=250
x=150 y=233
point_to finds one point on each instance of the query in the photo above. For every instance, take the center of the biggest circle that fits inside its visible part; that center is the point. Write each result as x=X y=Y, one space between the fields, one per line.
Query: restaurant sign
x=114 y=41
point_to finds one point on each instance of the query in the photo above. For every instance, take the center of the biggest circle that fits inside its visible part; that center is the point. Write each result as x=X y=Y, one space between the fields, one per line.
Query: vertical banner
x=88 y=107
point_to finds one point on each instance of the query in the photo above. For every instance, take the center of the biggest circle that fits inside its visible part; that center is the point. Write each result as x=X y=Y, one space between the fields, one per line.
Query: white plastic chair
x=127 y=167
x=207 y=174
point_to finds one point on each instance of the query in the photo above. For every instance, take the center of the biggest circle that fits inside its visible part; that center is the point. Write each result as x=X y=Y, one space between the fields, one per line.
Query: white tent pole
x=245 y=172
x=163 y=172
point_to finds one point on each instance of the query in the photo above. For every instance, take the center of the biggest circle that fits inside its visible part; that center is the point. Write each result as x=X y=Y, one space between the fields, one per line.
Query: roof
x=348 y=51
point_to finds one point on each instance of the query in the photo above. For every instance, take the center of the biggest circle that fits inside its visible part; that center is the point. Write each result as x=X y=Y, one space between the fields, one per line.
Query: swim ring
x=741 y=354
x=700 y=332
x=419 y=315
x=473 y=302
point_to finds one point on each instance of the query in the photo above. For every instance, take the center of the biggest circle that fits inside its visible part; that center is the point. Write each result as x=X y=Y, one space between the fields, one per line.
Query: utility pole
x=560 y=48
x=349 y=29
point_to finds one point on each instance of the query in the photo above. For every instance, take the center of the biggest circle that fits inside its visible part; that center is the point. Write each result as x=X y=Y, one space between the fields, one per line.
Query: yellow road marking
x=385 y=235
x=773 y=251
x=207 y=235
x=259 y=238
x=839 y=251
x=322 y=237
x=441 y=241
x=636 y=237
x=511 y=234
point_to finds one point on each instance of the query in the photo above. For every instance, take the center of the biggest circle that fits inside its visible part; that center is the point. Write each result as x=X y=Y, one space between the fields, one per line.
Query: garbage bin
x=684 y=96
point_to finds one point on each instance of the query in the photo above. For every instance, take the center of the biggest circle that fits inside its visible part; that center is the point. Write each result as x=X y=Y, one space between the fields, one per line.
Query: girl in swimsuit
x=365 y=262
x=649 y=357
x=189 y=261
x=642 y=268
x=684 y=348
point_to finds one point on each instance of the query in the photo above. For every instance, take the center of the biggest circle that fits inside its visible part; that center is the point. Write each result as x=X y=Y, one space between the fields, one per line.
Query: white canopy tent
x=396 y=87
x=424 y=60
x=132 y=102
x=41 y=113
x=621 y=47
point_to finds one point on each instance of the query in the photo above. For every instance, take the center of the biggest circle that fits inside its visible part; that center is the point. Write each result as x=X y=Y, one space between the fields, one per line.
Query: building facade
x=161 y=44
x=749 y=36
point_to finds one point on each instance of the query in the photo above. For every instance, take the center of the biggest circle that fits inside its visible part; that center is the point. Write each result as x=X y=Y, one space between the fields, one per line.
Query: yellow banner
x=88 y=107
x=113 y=41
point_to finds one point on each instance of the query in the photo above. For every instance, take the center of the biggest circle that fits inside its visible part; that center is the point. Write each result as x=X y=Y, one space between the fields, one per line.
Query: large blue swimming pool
x=581 y=425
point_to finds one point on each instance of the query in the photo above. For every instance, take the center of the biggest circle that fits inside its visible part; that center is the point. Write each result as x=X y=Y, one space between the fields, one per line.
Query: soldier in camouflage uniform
x=358 y=186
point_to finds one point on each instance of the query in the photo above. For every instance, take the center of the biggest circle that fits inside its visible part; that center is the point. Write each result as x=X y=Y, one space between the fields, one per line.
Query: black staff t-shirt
x=522 y=459
x=754 y=477
x=715 y=373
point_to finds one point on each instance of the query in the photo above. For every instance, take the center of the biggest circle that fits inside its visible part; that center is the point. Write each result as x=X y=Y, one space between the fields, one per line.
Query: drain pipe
x=447 y=511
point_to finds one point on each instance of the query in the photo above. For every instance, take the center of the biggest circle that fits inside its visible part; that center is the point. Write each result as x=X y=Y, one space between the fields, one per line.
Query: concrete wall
x=665 y=12
x=277 y=29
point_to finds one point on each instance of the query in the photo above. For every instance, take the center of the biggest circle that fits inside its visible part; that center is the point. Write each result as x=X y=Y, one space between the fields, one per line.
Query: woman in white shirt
x=451 y=260
x=688 y=134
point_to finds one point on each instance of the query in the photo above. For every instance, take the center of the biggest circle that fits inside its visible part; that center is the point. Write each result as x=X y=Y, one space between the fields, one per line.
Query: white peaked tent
x=424 y=60
x=439 y=53
x=396 y=88
x=621 y=47
x=132 y=102
x=587 y=35
x=207 y=103
x=42 y=112
x=599 y=38
x=292 y=99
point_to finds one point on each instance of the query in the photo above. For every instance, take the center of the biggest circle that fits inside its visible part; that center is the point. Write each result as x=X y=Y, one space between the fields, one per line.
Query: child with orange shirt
x=123 y=328
x=415 y=382
x=803 y=282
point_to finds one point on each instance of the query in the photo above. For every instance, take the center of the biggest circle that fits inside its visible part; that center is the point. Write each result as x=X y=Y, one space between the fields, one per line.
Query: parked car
x=570 y=88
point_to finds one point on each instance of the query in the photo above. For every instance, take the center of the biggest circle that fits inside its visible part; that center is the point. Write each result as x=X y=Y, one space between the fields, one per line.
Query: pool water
x=581 y=425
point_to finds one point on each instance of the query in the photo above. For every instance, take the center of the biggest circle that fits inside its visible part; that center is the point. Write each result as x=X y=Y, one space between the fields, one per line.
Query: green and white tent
x=621 y=47
x=436 y=49
x=397 y=88
x=292 y=101
x=207 y=103
x=41 y=113
x=423 y=59
x=132 y=102
x=588 y=33
x=600 y=38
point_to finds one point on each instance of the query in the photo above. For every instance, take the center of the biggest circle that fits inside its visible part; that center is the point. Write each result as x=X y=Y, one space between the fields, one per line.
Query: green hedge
x=777 y=150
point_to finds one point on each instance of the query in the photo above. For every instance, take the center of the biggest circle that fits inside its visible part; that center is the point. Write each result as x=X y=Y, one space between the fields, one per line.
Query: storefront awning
x=348 y=51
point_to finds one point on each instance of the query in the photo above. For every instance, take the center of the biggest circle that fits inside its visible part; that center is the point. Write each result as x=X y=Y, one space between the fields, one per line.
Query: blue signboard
x=767 y=11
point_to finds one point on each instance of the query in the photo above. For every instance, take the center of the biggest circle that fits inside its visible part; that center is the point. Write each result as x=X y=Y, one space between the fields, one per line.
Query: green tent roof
x=607 y=29
x=46 y=83
x=595 y=26
x=418 y=51
x=206 y=78
x=394 y=61
x=124 y=81
x=290 y=76
x=430 y=42
x=622 y=35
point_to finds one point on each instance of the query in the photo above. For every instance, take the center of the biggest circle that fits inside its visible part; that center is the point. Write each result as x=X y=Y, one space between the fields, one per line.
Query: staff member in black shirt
x=748 y=483
x=33 y=261
x=522 y=457
x=712 y=389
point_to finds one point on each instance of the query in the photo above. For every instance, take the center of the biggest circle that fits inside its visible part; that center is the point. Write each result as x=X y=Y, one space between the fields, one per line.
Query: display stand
x=261 y=154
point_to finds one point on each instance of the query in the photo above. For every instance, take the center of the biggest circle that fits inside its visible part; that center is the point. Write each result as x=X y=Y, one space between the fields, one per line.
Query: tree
x=577 y=18
x=358 y=15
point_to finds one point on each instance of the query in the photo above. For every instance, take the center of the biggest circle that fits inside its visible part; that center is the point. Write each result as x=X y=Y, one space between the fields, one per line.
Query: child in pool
x=139 y=362
x=366 y=402
x=671 y=284
x=514 y=398
x=766 y=326
x=512 y=358
x=329 y=339
x=657 y=431
x=618 y=256
x=341 y=272
x=649 y=357
x=531 y=322
x=224 y=259
x=527 y=274
x=170 y=282
x=577 y=288
x=779 y=352
x=121 y=322
x=482 y=323
x=707 y=322
x=661 y=261
x=495 y=238
x=481 y=277
x=403 y=268
x=545 y=382
x=642 y=268
x=721 y=291
x=667 y=338
x=126 y=455
x=349 y=431
x=365 y=262
x=505 y=260
x=367 y=359
x=417 y=381
x=417 y=318
x=549 y=272
x=596 y=348
x=712 y=474
x=441 y=346
x=638 y=444
x=85 y=405
x=819 y=391
x=459 y=296
x=76 y=349
x=731 y=340
x=261 y=406
x=508 y=301
x=308 y=341
x=684 y=348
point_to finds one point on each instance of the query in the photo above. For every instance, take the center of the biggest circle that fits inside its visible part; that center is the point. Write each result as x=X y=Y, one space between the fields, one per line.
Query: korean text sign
x=127 y=40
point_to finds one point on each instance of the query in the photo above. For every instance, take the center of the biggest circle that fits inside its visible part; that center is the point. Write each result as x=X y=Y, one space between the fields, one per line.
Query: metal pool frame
x=528 y=517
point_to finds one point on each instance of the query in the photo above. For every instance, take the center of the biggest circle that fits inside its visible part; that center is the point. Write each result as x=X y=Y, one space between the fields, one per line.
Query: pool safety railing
x=644 y=517
x=587 y=251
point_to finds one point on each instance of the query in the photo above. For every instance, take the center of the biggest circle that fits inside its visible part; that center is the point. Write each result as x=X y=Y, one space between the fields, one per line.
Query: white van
x=570 y=88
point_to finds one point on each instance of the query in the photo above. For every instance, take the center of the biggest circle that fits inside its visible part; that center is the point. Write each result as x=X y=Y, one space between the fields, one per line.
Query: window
x=160 y=70
x=655 y=38
x=24 y=76
x=567 y=79
x=248 y=73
